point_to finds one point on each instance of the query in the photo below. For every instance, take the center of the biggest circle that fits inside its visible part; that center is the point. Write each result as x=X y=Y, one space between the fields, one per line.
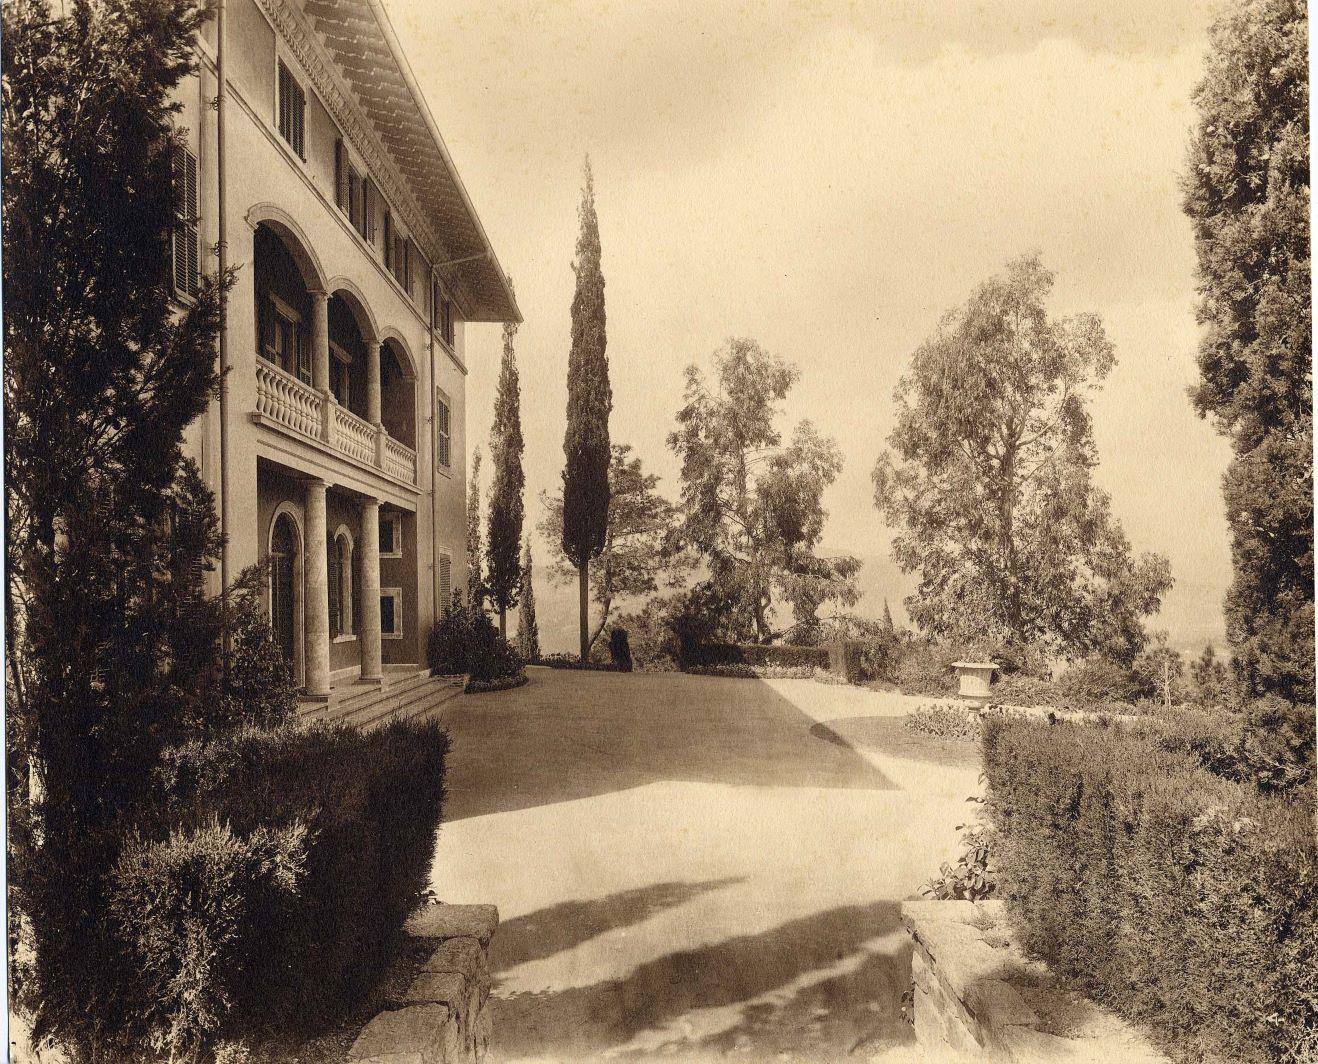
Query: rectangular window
x=282 y=339
x=335 y=575
x=388 y=240
x=391 y=534
x=186 y=243
x=391 y=613
x=443 y=430
x=292 y=111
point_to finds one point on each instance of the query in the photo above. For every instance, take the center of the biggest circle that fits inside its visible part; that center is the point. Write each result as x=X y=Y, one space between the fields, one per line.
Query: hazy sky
x=829 y=178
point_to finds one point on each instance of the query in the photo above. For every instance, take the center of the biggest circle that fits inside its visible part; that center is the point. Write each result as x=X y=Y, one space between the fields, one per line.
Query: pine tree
x=528 y=633
x=589 y=402
x=888 y=627
x=475 y=580
x=502 y=569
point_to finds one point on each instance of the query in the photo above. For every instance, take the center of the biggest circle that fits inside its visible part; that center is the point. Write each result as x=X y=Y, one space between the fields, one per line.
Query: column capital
x=318 y=294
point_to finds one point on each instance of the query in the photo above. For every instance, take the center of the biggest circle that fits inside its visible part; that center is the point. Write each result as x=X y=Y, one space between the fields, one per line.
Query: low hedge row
x=713 y=654
x=278 y=893
x=1184 y=901
x=743 y=671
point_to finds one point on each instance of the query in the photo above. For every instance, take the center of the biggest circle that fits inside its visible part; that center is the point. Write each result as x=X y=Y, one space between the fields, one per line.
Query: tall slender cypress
x=504 y=533
x=475 y=581
x=528 y=632
x=589 y=402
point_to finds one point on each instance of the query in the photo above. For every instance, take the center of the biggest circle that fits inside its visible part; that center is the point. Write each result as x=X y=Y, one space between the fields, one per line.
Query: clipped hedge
x=278 y=894
x=707 y=655
x=1184 y=901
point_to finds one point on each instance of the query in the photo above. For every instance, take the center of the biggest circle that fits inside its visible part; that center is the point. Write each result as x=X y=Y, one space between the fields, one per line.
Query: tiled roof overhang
x=361 y=43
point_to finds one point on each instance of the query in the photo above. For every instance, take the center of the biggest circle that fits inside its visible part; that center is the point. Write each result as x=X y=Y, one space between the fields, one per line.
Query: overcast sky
x=830 y=178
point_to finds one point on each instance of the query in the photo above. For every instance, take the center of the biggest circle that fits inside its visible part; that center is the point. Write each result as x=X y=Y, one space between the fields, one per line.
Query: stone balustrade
x=293 y=404
x=443 y=1016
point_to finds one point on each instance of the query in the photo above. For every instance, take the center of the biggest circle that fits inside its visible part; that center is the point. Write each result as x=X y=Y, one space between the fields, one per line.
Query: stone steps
x=368 y=706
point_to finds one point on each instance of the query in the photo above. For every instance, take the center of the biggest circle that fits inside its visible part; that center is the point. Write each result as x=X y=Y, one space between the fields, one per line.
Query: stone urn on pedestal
x=973 y=680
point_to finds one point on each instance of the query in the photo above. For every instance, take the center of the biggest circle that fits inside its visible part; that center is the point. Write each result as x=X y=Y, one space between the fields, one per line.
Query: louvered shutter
x=388 y=240
x=335 y=589
x=186 y=241
x=368 y=210
x=445 y=583
x=341 y=175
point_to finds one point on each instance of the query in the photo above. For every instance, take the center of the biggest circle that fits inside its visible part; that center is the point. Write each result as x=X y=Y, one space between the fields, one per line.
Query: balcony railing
x=287 y=401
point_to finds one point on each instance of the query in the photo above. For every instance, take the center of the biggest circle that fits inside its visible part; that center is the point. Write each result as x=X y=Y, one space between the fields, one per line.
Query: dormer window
x=292 y=111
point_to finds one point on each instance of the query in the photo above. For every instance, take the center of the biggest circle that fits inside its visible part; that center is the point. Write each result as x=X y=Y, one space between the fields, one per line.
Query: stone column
x=320 y=342
x=373 y=381
x=372 y=665
x=316 y=643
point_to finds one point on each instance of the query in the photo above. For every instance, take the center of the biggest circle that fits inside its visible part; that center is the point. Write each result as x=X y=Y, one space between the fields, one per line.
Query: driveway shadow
x=552 y=930
x=574 y=734
x=807 y=983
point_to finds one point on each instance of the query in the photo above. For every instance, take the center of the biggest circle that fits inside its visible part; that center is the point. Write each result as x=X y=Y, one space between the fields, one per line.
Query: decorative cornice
x=339 y=100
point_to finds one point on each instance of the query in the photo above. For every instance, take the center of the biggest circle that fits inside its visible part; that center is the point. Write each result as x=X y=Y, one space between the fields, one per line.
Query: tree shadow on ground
x=568 y=735
x=552 y=930
x=889 y=735
x=812 y=982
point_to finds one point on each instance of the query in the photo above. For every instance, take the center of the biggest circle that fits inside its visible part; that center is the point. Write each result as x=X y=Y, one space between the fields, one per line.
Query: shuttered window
x=292 y=111
x=443 y=430
x=341 y=175
x=388 y=240
x=445 y=581
x=186 y=243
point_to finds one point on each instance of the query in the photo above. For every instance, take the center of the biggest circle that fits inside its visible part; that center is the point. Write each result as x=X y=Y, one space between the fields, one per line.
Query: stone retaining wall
x=977 y=996
x=443 y=1017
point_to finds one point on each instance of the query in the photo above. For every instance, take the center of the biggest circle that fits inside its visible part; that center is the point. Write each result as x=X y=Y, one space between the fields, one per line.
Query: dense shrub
x=450 y=645
x=572 y=661
x=944 y=721
x=1096 y=680
x=494 y=665
x=717 y=654
x=283 y=917
x=743 y=671
x=620 y=651
x=926 y=669
x=1270 y=745
x=1183 y=901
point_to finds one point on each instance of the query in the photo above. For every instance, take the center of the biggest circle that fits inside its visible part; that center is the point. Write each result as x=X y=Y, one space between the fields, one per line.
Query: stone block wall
x=443 y=1016
x=977 y=996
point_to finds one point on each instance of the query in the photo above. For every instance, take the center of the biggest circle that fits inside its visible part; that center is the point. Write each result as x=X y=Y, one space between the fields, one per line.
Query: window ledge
x=351 y=638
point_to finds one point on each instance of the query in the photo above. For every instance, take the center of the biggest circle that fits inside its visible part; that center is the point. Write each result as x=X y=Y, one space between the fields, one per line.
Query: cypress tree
x=528 y=633
x=110 y=648
x=589 y=402
x=888 y=626
x=475 y=581
x=502 y=567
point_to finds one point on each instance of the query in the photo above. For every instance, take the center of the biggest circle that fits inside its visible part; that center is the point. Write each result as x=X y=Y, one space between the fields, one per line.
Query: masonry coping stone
x=415 y=1032
x=436 y=988
x=454 y=921
x=461 y=955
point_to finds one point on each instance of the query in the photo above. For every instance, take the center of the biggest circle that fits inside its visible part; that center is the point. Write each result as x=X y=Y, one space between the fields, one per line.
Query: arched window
x=340 y=584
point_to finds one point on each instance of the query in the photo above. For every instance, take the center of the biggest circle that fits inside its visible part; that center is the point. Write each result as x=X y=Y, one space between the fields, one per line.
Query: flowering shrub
x=945 y=722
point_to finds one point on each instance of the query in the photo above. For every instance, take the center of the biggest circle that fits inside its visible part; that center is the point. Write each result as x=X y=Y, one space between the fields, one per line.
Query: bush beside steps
x=465 y=640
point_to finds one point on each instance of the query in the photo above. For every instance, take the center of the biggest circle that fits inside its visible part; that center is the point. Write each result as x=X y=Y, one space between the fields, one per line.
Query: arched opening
x=286 y=589
x=347 y=363
x=283 y=303
x=397 y=394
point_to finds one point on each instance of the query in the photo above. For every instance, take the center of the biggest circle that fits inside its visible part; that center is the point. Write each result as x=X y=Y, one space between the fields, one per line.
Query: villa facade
x=358 y=260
